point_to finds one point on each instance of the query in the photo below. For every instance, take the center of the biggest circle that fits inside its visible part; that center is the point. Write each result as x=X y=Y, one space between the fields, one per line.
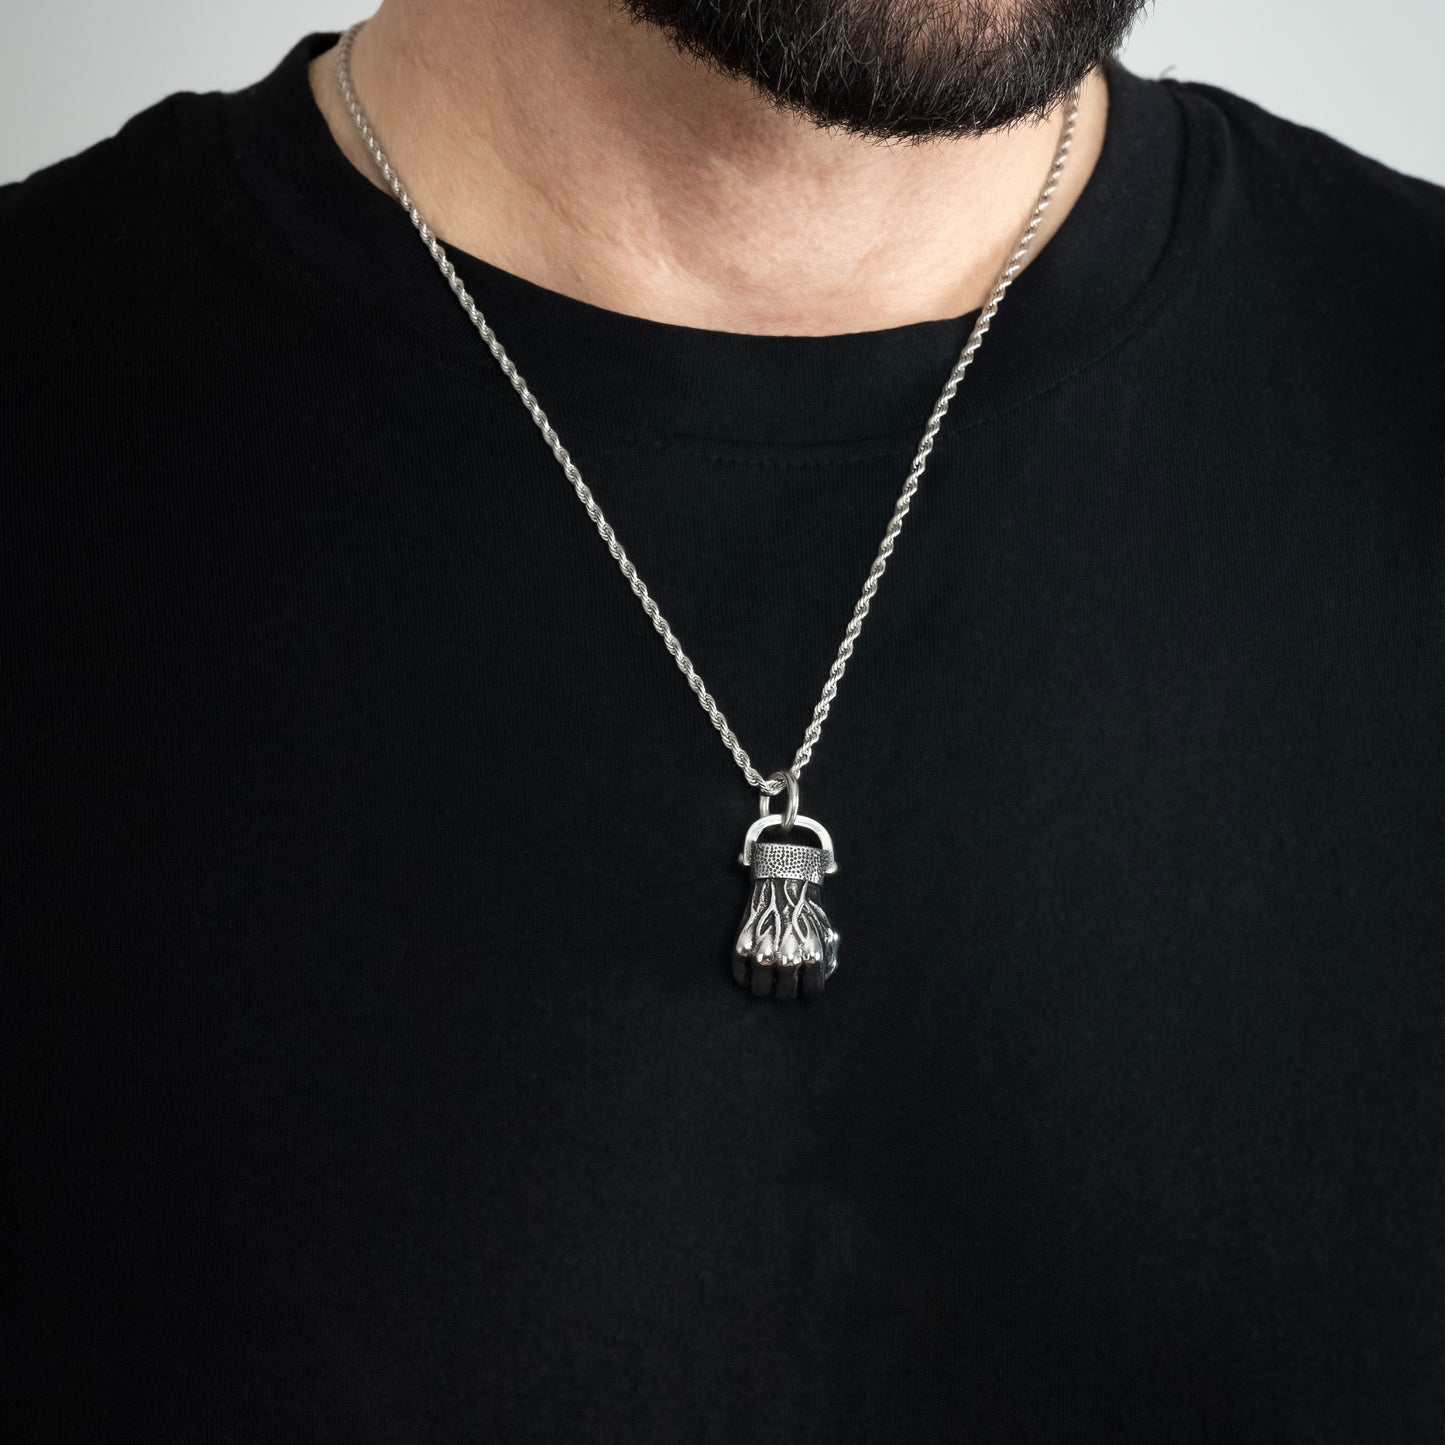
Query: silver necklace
x=786 y=944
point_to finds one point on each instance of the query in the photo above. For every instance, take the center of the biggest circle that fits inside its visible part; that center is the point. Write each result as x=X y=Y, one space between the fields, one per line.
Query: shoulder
x=1336 y=255
x=95 y=244
x=1329 y=197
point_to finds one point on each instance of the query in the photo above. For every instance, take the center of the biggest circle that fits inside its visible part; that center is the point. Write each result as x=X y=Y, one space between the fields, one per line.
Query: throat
x=584 y=154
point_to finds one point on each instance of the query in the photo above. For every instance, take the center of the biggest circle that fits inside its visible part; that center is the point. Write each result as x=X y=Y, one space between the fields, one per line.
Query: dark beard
x=901 y=68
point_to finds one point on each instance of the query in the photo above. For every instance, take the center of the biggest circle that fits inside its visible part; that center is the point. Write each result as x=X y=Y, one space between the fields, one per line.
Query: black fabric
x=372 y=1066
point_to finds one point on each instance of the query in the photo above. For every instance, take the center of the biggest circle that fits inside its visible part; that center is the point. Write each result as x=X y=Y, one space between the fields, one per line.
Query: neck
x=580 y=151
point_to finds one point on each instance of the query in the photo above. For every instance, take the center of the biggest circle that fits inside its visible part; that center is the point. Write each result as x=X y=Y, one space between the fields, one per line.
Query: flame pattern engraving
x=786 y=944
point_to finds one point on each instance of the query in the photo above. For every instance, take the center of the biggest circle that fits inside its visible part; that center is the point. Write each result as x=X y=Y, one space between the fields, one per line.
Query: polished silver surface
x=774 y=784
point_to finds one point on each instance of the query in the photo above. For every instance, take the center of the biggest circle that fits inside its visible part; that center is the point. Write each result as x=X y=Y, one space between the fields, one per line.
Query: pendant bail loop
x=789 y=779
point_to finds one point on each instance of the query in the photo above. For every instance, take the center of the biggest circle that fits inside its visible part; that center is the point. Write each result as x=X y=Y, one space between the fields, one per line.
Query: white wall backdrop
x=72 y=70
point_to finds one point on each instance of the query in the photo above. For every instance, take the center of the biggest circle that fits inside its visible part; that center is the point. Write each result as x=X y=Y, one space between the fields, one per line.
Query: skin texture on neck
x=566 y=144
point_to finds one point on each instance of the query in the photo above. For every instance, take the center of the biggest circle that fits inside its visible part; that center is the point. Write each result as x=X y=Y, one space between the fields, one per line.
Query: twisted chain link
x=767 y=785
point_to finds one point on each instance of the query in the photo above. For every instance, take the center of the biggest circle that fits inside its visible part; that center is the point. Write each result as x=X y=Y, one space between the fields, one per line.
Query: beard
x=900 y=69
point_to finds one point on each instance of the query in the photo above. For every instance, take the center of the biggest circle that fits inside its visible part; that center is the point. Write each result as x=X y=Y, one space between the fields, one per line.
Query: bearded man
x=1024 y=1027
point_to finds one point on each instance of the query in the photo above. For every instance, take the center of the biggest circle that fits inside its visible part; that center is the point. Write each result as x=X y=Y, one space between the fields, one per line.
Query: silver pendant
x=786 y=945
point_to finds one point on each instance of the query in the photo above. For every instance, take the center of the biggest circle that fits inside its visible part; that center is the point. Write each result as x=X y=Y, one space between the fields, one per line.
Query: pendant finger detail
x=786 y=944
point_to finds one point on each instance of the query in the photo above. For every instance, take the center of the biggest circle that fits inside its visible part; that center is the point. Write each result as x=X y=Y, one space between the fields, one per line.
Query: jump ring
x=789 y=780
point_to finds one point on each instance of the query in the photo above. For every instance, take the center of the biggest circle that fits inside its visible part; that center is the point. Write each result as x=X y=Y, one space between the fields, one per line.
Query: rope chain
x=769 y=786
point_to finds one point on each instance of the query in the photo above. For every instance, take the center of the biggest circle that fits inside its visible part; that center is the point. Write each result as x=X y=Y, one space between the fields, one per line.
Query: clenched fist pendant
x=786 y=945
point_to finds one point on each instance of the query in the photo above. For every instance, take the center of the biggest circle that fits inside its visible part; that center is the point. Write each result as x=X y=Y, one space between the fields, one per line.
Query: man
x=374 y=1064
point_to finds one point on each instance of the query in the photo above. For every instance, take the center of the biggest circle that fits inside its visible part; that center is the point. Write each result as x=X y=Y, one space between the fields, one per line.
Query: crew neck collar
x=1117 y=247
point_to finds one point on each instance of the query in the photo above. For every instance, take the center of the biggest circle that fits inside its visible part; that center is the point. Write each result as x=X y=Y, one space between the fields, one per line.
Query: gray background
x=1367 y=71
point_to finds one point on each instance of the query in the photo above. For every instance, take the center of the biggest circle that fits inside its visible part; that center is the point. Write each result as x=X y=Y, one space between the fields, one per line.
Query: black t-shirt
x=373 y=1069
